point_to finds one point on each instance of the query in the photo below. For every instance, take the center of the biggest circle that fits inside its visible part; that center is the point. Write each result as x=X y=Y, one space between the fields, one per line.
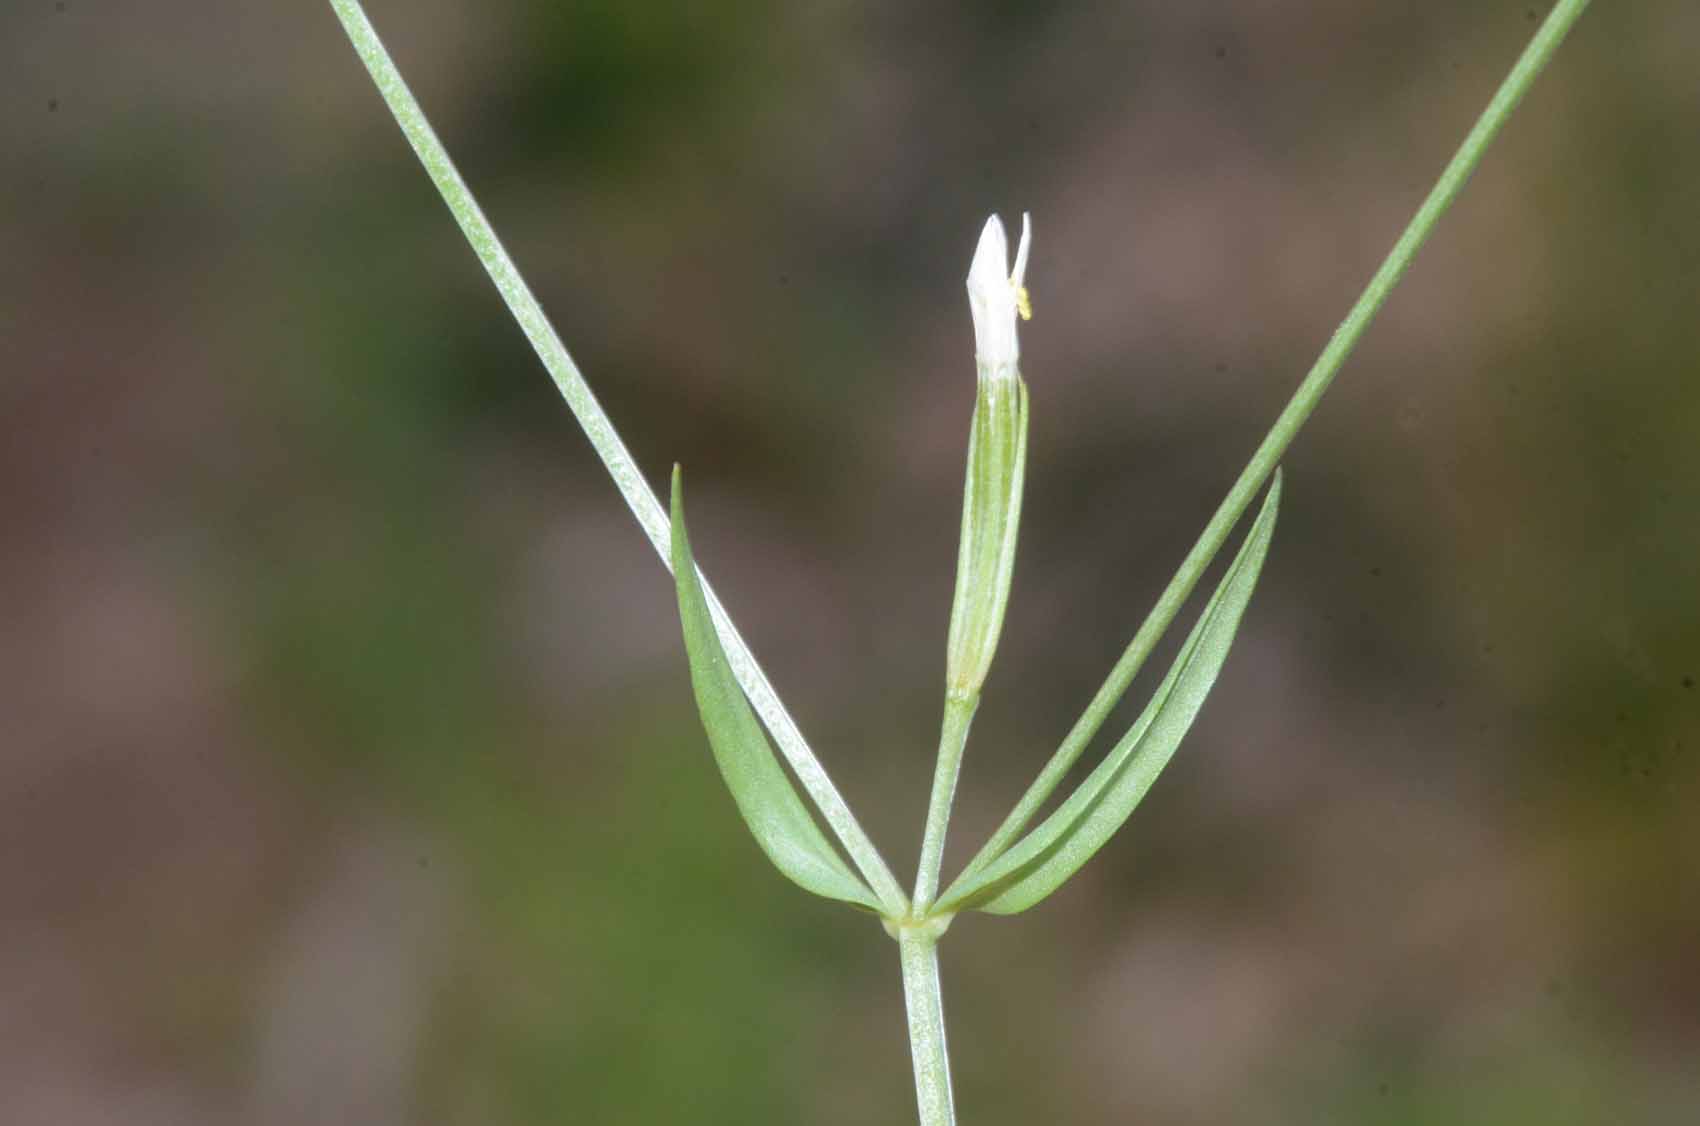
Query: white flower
x=996 y=298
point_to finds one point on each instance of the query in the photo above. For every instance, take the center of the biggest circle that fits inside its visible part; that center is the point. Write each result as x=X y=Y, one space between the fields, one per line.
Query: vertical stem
x=594 y=421
x=918 y=949
x=958 y=715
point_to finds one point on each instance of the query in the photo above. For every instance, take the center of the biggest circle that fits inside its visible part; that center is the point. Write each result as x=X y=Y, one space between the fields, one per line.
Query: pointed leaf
x=770 y=805
x=1040 y=862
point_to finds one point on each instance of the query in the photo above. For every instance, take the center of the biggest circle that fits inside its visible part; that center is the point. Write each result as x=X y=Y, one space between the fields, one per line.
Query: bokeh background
x=348 y=766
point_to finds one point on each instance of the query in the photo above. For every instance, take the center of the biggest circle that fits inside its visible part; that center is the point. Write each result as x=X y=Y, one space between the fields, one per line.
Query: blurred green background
x=348 y=766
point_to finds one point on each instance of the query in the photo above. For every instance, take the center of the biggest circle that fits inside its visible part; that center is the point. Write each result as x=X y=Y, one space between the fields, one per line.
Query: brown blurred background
x=348 y=766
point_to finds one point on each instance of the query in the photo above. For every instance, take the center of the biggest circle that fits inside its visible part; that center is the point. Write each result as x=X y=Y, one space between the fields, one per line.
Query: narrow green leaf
x=770 y=805
x=1038 y=864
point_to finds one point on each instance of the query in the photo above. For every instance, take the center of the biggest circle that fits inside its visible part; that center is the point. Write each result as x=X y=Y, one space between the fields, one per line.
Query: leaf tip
x=681 y=545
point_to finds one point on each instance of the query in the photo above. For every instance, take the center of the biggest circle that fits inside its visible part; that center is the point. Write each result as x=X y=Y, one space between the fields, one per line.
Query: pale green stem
x=651 y=516
x=1298 y=409
x=919 y=950
x=958 y=717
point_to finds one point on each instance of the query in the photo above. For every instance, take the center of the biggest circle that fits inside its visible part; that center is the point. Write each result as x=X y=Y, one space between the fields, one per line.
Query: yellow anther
x=1023 y=303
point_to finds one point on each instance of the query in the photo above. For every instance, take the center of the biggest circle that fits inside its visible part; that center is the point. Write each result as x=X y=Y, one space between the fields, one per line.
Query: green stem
x=1534 y=58
x=918 y=949
x=651 y=517
x=958 y=717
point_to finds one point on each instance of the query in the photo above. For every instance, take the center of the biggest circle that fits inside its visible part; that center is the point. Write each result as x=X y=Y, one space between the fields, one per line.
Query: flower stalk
x=991 y=519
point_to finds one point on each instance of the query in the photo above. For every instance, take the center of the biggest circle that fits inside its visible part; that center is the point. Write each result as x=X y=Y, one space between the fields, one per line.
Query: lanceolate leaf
x=760 y=786
x=1041 y=861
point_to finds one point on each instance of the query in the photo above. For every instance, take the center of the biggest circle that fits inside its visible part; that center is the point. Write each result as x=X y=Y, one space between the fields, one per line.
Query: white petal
x=992 y=300
x=990 y=258
x=1018 y=276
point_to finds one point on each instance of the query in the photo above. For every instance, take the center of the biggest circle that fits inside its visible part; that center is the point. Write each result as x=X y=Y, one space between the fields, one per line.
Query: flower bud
x=996 y=298
x=997 y=460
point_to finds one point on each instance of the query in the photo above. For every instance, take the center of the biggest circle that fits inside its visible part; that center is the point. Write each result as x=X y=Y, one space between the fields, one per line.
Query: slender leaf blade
x=768 y=802
x=1044 y=859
